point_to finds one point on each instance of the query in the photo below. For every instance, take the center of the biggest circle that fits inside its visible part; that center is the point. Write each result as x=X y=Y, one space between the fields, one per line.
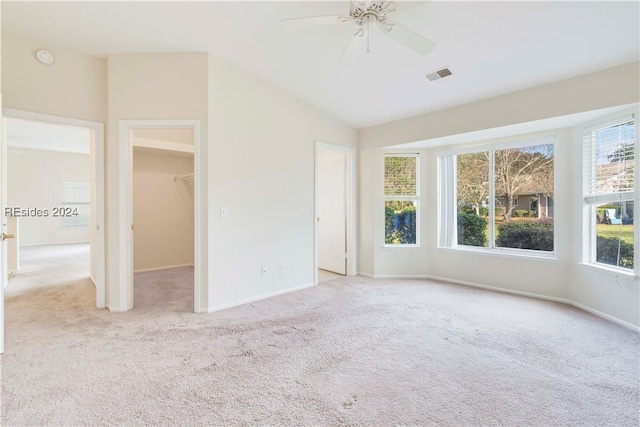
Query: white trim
x=54 y=244
x=258 y=298
x=351 y=207
x=516 y=292
x=605 y=316
x=97 y=130
x=360 y=273
x=125 y=212
x=504 y=290
x=168 y=267
x=157 y=144
x=611 y=269
x=505 y=252
x=402 y=276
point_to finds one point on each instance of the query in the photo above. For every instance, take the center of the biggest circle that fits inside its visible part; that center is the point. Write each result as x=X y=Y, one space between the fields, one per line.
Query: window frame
x=64 y=221
x=590 y=202
x=415 y=199
x=447 y=197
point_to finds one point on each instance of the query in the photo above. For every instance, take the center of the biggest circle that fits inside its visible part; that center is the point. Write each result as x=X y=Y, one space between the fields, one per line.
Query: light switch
x=223 y=212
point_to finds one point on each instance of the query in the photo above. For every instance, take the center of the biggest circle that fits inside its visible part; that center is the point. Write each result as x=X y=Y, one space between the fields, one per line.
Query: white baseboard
x=53 y=244
x=606 y=316
x=168 y=267
x=504 y=290
x=522 y=293
x=258 y=298
x=404 y=276
x=365 y=274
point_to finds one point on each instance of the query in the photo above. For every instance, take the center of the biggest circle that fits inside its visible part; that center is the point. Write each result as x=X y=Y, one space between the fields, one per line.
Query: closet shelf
x=188 y=177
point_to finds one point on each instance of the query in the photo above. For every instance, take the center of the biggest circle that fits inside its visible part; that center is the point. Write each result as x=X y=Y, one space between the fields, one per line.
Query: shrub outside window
x=401 y=199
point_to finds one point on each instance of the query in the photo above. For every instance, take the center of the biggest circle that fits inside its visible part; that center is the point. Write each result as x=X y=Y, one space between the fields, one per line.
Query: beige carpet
x=50 y=265
x=352 y=351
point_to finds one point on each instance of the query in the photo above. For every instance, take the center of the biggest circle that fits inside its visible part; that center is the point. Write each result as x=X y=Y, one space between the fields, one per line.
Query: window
x=401 y=200
x=498 y=197
x=75 y=204
x=609 y=192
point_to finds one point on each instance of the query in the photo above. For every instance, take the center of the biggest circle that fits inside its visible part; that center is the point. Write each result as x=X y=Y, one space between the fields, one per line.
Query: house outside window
x=610 y=152
x=401 y=199
x=501 y=197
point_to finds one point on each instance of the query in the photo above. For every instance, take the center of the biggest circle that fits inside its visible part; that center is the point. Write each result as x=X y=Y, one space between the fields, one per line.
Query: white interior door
x=332 y=210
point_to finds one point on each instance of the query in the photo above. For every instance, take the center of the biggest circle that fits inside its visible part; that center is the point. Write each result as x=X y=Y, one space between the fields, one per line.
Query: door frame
x=125 y=208
x=97 y=137
x=350 y=208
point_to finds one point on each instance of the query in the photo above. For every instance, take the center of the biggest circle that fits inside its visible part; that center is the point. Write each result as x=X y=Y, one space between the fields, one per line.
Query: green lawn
x=625 y=232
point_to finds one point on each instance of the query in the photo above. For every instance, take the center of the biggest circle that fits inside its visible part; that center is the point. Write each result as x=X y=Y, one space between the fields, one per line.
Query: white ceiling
x=491 y=47
x=23 y=134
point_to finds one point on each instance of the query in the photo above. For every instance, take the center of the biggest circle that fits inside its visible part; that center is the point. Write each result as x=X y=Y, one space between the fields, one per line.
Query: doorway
x=71 y=200
x=335 y=204
x=53 y=202
x=159 y=197
x=163 y=218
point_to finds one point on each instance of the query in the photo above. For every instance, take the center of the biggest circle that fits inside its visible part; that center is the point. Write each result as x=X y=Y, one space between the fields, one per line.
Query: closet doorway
x=159 y=195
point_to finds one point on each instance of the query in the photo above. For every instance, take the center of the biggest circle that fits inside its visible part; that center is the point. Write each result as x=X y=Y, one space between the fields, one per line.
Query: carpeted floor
x=50 y=265
x=353 y=351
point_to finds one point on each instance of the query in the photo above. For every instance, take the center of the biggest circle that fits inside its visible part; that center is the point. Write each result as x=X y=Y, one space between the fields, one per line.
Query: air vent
x=437 y=75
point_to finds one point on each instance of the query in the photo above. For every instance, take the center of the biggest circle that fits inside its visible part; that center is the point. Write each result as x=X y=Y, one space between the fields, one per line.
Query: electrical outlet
x=264 y=271
x=282 y=268
x=397 y=257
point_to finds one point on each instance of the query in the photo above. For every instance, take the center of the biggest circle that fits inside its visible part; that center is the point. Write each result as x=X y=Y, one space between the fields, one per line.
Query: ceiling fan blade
x=317 y=20
x=407 y=37
x=388 y=7
x=354 y=45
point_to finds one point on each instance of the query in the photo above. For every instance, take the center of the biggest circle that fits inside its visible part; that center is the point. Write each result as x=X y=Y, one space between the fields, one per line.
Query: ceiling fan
x=367 y=16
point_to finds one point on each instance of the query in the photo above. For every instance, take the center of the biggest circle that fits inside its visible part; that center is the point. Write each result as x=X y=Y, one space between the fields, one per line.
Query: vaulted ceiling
x=492 y=48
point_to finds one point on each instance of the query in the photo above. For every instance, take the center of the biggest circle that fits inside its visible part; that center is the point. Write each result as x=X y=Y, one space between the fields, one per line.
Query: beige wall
x=262 y=143
x=74 y=86
x=162 y=209
x=34 y=179
x=152 y=87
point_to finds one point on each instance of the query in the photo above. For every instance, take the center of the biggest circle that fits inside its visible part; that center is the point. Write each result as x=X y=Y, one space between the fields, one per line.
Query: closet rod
x=189 y=177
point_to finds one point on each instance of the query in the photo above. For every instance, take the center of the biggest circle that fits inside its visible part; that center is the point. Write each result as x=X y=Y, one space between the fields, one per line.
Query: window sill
x=505 y=253
x=609 y=269
x=401 y=246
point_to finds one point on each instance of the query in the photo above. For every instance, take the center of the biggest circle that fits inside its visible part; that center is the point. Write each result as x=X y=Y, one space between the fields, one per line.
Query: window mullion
x=492 y=199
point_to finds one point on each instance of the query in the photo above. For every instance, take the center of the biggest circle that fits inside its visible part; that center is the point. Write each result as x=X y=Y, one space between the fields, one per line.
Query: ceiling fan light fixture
x=367 y=15
x=439 y=74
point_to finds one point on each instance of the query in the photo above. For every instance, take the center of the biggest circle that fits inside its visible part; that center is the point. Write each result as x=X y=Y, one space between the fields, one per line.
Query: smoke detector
x=45 y=57
x=439 y=74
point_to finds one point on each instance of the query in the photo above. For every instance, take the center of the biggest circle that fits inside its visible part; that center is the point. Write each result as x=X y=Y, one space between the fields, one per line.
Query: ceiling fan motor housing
x=371 y=12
